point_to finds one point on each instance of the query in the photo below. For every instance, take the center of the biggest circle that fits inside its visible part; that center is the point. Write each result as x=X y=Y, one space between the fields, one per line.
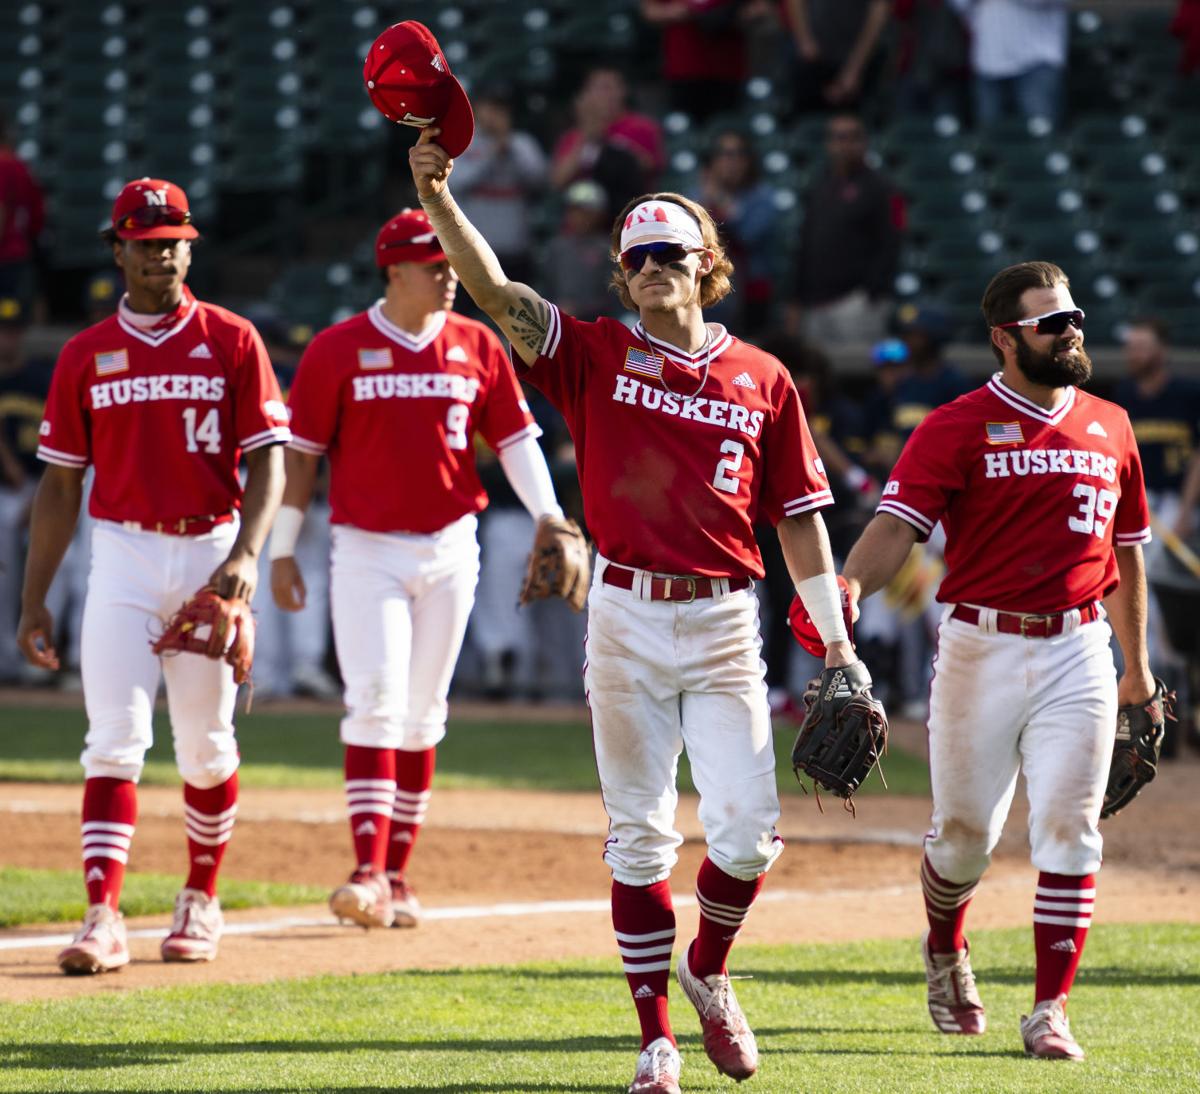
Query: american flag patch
x=1004 y=433
x=375 y=358
x=108 y=363
x=643 y=363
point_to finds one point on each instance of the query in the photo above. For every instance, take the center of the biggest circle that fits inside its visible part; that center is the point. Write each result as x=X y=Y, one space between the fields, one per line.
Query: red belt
x=184 y=526
x=679 y=590
x=1028 y=626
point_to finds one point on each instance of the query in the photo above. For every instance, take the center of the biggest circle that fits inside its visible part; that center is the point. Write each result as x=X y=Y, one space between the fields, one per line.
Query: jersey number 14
x=207 y=433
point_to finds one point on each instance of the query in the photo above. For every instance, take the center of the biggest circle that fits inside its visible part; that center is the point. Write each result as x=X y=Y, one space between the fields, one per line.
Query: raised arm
x=522 y=315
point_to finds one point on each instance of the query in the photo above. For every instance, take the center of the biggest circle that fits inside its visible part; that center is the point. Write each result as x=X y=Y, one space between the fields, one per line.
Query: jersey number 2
x=208 y=431
x=1096 y=509
x=726 y=476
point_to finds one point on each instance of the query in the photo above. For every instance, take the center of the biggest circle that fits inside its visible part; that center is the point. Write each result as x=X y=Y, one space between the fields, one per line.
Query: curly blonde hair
x=714 y=286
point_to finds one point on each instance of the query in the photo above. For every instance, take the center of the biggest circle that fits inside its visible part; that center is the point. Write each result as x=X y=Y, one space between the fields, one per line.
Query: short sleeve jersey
x=163 y=416
x=1166 y=426
x=1032 y=501
x=679 y=454
x=398 y=413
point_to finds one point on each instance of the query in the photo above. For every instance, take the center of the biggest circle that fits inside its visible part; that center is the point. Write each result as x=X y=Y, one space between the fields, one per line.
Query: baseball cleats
x=954 y=1003
x=657 y=1069
x=1047 y=1033
x=366 y=899
x=406 y=909
x=196 y=929
x=727 y=1038
x=99 y=946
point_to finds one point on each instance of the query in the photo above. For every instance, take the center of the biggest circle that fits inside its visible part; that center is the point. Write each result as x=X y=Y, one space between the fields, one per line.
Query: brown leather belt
x=184 y=526
x=678 y=590
x=1028 y=626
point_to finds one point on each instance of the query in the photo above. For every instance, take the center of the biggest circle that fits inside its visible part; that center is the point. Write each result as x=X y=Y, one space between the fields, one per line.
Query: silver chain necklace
x=662 y=381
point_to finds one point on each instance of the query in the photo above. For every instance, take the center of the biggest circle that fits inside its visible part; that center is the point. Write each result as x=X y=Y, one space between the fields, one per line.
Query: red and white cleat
x=1047 y=1033
x=954 y=1003
x=196 y=929
x=366 y=899
x=99 y=945
x=727 y=1038
x=657 y=1069
x=406 y=909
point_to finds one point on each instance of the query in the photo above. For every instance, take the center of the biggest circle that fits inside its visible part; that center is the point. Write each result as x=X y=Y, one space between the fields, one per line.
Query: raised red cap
x=149 y=208
x=408 y=237
x=409 y=81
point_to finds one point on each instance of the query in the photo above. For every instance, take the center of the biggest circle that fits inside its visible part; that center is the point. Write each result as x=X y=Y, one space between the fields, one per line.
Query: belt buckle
x=1030 y=620
x=691 y=581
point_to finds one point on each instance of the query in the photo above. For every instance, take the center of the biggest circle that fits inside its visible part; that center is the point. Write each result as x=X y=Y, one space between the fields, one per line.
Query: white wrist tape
x=823 y=600
x=285 y=532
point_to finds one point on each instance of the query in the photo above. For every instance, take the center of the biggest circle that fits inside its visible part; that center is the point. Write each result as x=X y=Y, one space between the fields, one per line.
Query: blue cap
x=891 y=351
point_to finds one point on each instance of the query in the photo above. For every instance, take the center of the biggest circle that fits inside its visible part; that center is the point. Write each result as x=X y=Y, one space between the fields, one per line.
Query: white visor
x=660 y=222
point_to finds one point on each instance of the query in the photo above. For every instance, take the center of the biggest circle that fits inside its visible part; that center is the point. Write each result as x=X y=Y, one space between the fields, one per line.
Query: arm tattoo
x=529 y=322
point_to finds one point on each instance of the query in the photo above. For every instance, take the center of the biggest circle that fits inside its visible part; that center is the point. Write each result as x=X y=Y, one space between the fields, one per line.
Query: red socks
x=414 y=777
x=644 y=921
x=370 y=788
x=724 y=903
x=209 y=816
x=1062 y=914
x=945 y=908
x=108 y=819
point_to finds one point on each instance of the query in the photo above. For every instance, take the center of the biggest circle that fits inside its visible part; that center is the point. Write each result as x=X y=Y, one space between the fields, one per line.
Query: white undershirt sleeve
x=525 y=468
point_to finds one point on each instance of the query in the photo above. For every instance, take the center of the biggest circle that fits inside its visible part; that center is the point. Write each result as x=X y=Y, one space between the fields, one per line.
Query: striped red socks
x=370 y=788
x=414 y=777
x=644 y=921
x=208 y=816
x=1062 y=914
x=109 y=816
x=945 y=908
x=724 y=903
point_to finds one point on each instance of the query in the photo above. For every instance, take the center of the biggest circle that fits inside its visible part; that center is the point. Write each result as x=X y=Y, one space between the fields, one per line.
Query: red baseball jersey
x=679 y=454
x=1032 y=501
x=164 y=414
x=397 y=415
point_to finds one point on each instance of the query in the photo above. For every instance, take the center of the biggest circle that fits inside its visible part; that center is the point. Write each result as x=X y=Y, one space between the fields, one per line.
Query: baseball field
x=511 y=983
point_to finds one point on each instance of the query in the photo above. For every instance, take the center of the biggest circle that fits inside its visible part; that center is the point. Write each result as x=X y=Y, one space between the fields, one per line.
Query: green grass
x=298 y=750
x=55 y=896
x=848 y=1018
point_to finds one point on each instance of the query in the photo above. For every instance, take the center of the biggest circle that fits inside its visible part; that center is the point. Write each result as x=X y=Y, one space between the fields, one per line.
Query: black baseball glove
x=843 y=734
x=1140 y=731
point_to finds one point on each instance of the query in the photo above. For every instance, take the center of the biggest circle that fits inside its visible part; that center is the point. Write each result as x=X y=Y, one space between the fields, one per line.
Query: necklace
x=707 y=363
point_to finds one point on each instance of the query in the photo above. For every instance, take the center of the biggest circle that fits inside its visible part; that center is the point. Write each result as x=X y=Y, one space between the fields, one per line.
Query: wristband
x=823 y=600
x=284 y=532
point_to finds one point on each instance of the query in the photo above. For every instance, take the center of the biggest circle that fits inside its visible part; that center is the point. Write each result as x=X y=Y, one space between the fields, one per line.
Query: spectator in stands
x=101 y=293
x=703 y=51
x=932 y=58
x=500 y=175
x=744 y=208
x=578 y=261
x=22 y=215
x=1018 y=57
x=837 y=57
x=929 y=379
x=849 y=245
x=621 y=150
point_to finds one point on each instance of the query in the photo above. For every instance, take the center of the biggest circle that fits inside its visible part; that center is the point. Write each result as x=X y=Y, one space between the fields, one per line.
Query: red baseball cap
x=409 y=81
x=408 y=237
x=152 y=209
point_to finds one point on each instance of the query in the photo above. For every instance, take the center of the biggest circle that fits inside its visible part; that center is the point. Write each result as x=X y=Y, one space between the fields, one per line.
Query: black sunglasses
x=1054 y=322
x=155 y=216
x=663 y=254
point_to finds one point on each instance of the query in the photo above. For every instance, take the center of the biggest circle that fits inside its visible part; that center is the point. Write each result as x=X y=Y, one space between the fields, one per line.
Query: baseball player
x=395 y=397
x=683 y=436
x=1038 y=486
x=161 y=400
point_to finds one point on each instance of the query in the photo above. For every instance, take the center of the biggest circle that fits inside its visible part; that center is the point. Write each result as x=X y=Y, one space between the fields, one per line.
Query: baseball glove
x=843 y=734
x=214 y=626
x=1140 y=731
x=559 y=564
x=804 y=630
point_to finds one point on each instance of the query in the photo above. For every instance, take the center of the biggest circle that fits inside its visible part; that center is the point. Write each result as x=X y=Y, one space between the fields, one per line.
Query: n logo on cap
x=156 y=197
x=643 y=214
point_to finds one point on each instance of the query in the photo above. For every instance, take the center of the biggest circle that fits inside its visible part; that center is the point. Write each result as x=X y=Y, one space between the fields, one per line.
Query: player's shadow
x=1108 y=976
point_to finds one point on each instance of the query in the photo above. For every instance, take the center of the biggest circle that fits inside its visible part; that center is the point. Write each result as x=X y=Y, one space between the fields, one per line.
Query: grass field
x=298 y=750
x=848 y=1018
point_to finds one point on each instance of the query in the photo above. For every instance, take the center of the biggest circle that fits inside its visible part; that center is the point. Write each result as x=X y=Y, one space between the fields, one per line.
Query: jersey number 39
x=1096 y=509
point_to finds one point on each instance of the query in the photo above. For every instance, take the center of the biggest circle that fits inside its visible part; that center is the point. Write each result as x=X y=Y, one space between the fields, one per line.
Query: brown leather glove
x=559 y=564
x=215 y=627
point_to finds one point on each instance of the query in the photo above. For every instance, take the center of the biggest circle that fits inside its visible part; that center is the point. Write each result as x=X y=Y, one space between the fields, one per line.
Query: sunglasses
x=663 y=254
x=1054 y=322
x=155 y=216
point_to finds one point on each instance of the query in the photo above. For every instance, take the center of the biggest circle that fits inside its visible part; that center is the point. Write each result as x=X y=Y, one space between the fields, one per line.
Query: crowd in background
x=978 y=60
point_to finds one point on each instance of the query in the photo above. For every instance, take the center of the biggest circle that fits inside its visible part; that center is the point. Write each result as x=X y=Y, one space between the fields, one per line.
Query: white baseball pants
x=999 y=703
x=661 y=677
x=400 y=608
x=137 y=582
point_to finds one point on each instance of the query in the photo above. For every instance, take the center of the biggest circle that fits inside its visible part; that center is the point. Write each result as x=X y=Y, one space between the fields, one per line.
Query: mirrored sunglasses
x=1054 y=322
x=663 y=254
x=155 y=216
